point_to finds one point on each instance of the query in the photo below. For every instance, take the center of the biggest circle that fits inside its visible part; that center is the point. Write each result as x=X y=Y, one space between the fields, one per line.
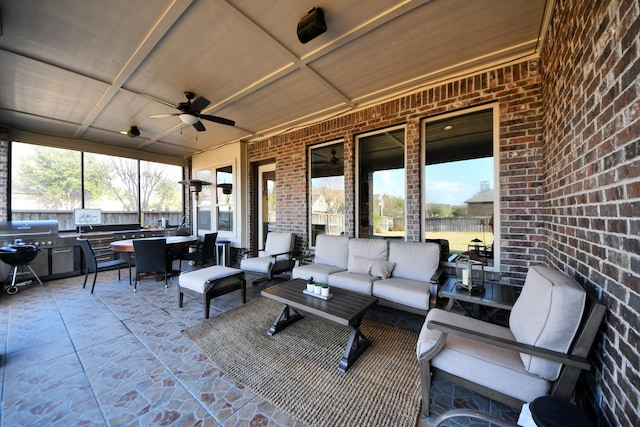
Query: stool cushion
x=197 y=280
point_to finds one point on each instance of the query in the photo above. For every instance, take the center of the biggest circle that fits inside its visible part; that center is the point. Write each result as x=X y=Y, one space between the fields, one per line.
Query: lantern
x=469 y=274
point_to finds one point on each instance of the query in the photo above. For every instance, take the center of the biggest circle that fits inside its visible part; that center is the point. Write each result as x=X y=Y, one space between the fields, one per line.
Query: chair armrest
x=283 y=253
x=436 y=276
x=555 y=356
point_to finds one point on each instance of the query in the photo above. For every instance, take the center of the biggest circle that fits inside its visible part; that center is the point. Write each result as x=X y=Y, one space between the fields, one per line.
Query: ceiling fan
x=332 y=161
x=190 y=112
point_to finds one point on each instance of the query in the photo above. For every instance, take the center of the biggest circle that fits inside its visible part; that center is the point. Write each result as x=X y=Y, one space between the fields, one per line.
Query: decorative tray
x=306 y=292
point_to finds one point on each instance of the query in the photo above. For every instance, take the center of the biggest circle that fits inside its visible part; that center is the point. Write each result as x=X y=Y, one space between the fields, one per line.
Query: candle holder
x=466 y=279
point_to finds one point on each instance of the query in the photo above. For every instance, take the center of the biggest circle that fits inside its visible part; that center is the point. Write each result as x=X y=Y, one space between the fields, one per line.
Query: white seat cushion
x=403 y=291
x=279 y=243
x=332 y=250
x=197 y=280
x=355 y=282
x=547 y=314
x=319 y=272
x=414 y=260
x=480 y=363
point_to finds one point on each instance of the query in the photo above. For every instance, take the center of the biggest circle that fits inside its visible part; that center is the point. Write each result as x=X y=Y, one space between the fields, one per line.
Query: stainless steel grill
x=42 y=234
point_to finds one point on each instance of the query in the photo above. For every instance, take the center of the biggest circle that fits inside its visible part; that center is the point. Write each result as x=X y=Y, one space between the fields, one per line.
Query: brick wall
x=515 y=88
x=592 y=185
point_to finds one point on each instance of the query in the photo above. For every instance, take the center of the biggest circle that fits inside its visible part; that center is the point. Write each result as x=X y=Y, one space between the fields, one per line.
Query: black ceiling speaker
x=311 y=25
x=133 y=132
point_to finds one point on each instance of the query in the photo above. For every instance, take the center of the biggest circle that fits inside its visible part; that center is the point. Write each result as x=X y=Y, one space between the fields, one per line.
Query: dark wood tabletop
x=345 y=308
x=494 y=295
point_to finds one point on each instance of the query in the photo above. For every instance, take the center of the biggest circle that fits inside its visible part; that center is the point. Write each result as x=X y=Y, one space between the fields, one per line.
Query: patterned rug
x=297 y=368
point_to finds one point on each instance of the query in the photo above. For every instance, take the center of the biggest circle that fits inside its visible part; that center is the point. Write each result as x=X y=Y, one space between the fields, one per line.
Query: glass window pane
x=161 y=194
x=111 y=184
x=224 y=197
x=45 y=180
x=204 y=206
x=460 y=190
x=327 y=190
x=382 y=189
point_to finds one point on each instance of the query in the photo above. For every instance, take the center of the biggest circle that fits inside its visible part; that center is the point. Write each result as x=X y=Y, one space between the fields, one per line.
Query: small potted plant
x=325 y=290
x=311 y=284
x=317 y=288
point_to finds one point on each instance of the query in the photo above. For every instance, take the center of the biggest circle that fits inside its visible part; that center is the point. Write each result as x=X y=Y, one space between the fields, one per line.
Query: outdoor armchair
x=551 y=329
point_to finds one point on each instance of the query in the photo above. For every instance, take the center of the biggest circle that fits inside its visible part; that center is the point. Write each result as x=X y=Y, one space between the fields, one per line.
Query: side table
x=484 y=305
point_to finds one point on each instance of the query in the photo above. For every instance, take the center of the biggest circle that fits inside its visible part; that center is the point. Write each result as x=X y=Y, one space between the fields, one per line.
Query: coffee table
x=346 y=308
x=485 y=304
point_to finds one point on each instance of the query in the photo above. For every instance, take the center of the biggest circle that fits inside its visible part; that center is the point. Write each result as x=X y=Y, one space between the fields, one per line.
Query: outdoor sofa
x=402 y=275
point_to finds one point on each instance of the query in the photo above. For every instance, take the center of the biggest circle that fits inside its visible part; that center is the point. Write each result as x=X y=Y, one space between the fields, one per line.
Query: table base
x=356 y=345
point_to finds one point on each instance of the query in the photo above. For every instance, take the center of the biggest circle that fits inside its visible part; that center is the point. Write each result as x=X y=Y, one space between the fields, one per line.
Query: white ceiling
x=87 y=69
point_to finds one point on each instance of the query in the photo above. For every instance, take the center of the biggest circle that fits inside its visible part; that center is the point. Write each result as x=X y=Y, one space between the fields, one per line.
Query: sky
x=449 y=183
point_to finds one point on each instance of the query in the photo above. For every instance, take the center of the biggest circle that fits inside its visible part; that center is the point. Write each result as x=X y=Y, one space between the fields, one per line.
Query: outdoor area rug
x=297 y=368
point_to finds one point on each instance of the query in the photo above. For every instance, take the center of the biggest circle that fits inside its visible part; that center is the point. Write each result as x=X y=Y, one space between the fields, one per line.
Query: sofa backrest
x=414 y=260
x=547 y=314
x=369 y=256
x=332 y=250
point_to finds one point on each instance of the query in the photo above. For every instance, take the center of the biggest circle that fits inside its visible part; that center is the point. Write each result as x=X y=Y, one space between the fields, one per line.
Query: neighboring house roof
x=484 y=197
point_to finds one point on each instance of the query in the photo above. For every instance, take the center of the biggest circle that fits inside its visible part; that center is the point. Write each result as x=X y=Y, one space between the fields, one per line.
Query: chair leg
x=95 y=276
x=86 y=276
x=425 y=379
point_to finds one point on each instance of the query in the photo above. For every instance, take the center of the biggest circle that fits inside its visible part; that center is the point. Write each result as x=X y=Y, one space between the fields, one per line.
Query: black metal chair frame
x=94 y=266
x=203 y=250
x=151 y=257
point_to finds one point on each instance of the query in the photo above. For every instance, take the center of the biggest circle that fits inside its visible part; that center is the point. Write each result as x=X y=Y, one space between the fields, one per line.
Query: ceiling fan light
x=188 y=119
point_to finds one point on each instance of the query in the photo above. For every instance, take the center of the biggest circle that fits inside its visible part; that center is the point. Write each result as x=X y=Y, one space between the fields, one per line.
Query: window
x=461 y=197
x=59 y=181
x=326 y=191
x=204 y=203
x=111 y=181
x=381 y=184
x=224 y=198
x=44 y=179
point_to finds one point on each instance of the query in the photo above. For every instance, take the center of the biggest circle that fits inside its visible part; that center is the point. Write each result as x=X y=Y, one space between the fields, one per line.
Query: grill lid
x=24 y=229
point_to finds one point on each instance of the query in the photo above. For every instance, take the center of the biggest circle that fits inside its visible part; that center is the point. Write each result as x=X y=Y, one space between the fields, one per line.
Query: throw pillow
x=382 y=269
x=359 y=265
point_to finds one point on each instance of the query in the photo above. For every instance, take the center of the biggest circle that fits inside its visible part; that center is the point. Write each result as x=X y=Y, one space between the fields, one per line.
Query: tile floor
x=117 y=358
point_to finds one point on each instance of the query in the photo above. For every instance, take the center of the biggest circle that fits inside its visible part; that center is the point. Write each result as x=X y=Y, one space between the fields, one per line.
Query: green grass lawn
x=459 y=241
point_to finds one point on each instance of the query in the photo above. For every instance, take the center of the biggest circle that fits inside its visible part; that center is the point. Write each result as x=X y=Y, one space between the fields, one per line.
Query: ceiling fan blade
x=199 y=104
x=217 y=119
x=162 y=116
x=199 y=126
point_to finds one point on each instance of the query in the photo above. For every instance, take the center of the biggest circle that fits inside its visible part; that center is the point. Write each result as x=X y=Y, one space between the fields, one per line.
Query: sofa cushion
x=359 y=265
x=319 y=272
x=279 y=243
x=414 y=260
x=332 y=250
x=547 y=314
x=480 y=363
x=369 y=248
x=352 y=281
x=407 y=292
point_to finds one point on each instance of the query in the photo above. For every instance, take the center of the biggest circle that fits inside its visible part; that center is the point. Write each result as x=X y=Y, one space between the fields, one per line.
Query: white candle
x=465 y=277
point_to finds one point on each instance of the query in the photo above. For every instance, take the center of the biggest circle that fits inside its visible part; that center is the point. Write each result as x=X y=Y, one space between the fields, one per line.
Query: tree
x=52 y=175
